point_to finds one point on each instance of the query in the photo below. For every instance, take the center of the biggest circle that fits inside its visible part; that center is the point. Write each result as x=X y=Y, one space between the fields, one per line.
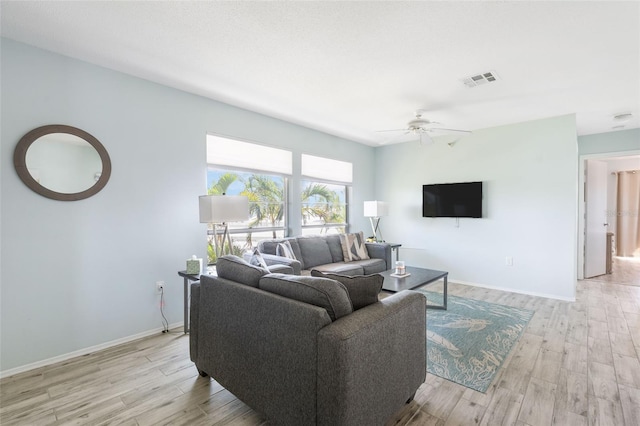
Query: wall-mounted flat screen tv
x=452 y=200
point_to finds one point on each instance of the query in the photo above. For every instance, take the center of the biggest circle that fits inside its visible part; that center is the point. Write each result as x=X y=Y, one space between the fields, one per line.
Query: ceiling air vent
x=480 y=79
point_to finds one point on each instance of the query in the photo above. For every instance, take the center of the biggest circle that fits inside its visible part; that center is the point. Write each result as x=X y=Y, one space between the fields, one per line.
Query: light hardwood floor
x=576 y=364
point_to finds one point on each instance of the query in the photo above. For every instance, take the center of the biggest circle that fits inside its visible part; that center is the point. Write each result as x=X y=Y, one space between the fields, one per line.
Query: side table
x=396 y=247
x=187 y=278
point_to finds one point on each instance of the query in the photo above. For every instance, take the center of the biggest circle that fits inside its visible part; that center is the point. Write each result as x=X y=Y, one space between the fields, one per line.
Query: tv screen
x=452 y=200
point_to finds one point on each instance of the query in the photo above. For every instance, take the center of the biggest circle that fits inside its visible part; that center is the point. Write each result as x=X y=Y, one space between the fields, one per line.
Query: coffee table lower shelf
x=418 y=278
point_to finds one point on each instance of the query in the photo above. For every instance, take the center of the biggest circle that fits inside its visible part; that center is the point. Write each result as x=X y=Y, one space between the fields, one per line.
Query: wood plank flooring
x=576 y=364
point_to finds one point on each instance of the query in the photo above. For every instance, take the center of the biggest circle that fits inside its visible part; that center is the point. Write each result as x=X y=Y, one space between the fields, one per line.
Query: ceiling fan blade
x=425 y=139
x=450 y=130
x=398 y=136
x=390 y=130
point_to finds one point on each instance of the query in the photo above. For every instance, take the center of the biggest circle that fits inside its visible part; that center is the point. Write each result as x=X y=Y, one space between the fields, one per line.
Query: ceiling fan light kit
x=419 y=123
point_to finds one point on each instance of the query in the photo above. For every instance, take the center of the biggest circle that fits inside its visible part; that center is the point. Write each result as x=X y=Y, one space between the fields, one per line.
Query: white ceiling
x=353 y=68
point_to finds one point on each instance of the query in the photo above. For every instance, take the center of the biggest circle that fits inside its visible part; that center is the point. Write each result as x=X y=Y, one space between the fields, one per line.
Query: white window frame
x=226 y=161
x=315 y=169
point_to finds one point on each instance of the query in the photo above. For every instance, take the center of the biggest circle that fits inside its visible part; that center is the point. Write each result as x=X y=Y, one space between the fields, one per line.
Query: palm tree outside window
x=324 y=207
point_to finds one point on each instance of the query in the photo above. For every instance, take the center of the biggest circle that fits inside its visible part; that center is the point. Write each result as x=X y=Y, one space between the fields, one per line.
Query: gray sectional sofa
x=325 y=253
x=292 y=347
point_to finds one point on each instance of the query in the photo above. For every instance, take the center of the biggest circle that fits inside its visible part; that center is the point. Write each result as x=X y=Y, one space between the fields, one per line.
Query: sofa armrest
x=272 y=259
x=280 y=269
x=380 y=251
x=383 y=343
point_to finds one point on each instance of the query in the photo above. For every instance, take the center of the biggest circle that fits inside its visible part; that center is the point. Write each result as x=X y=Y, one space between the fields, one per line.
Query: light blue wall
x=82 y=274
x=529 y=175
x=611 y=142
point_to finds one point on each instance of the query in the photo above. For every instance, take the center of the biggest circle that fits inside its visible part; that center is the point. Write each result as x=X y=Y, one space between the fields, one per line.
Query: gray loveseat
x=325 y=254
x=307 y=362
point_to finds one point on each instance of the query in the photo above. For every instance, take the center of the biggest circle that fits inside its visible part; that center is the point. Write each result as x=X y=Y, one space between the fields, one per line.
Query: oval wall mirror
x=62 y=162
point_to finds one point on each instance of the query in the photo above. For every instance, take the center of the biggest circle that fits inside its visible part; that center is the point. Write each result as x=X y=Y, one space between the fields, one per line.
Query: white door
x=595 y=237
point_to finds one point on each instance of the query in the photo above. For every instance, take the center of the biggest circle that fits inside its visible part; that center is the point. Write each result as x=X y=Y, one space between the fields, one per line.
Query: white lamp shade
x=223 y=208
x=376 y=209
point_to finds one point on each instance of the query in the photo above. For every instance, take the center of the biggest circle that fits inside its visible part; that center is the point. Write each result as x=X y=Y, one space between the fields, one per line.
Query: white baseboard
x=85 y=351
x=512 y=290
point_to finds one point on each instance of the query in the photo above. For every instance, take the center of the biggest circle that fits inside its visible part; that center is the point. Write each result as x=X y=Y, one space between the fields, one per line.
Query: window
x=324 y=195
x=260 y=173
x=324 y=208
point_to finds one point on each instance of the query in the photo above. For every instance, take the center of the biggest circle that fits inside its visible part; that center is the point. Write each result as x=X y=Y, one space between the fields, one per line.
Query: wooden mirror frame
x=20 y=162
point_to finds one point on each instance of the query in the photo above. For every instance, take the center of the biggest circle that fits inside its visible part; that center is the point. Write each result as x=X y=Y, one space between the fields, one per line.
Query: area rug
x=468 y=342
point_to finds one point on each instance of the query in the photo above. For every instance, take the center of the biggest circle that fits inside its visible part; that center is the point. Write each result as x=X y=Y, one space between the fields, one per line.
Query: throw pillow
x=363 y=289
x=284 y=249
x=237 y=269
x=258 y=260
x=353 y=247
x=323 y=292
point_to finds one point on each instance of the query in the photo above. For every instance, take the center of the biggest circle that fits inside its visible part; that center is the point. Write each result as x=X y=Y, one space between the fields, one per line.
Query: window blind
x=230 y=152
x=326 y=168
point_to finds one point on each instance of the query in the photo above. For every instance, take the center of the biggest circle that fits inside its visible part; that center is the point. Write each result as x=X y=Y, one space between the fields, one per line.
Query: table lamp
x=374 y=210
x=219 y=210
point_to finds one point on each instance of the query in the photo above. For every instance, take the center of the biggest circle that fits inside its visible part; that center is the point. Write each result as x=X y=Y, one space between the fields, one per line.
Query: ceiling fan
x=422 y=127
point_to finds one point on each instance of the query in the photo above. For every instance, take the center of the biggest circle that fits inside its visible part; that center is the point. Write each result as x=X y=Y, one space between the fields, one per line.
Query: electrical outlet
x=508 y=261
x=159 y=286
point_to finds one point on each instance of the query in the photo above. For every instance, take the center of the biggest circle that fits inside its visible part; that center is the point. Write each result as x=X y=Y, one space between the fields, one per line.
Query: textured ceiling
x=353 y=68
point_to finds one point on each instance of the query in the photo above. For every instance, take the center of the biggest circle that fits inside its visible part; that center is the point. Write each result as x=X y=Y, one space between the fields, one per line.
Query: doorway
x=625 y=271
x=605 y=218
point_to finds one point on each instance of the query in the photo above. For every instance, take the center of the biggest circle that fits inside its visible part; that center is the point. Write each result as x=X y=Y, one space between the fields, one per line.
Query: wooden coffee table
x=418 y=278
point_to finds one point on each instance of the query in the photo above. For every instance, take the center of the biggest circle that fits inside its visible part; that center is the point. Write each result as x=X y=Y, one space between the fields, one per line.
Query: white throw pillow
x=284 y=249
x=258 y=260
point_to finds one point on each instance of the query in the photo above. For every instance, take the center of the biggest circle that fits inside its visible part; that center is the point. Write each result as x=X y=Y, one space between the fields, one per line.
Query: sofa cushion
x=237 y=269
x=323 y=292
x=335 y=247
x=344 y=268
x=315 y=251
x=371 y=266
x=363 y=289
x=353 y=247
